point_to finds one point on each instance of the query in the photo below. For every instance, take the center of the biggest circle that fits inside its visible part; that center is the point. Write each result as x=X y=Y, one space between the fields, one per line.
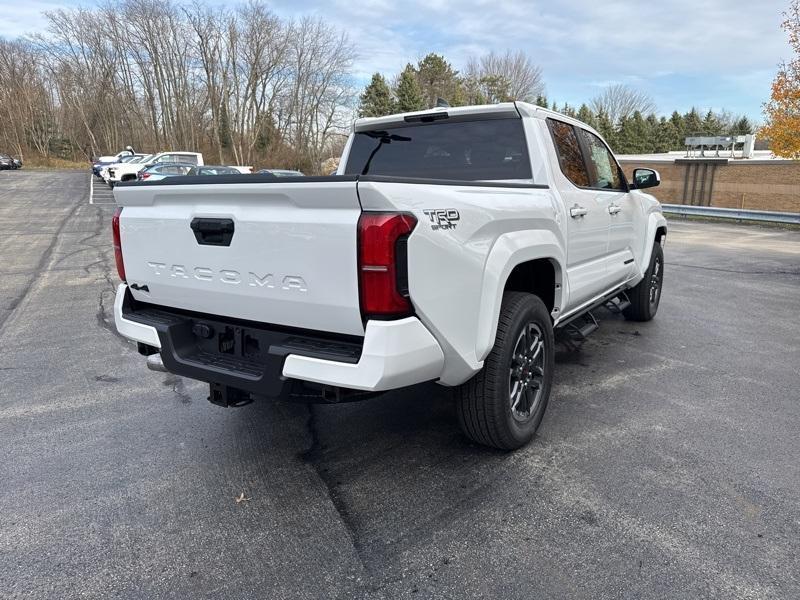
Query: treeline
x=239 y=84
x=487 y=79
x=245 y=86
x=624 y=116
x=638 y=134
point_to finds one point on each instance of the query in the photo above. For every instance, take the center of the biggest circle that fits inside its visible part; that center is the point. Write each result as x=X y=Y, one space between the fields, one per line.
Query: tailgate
x=278 y=253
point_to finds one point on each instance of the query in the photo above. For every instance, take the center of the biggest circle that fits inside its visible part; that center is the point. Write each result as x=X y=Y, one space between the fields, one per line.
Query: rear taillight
x=118 y=244
x=144 y=175
x=382 y=264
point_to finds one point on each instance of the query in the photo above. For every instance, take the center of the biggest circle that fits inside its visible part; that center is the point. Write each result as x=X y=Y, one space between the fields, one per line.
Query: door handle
x=577 y=211
x=614 y=209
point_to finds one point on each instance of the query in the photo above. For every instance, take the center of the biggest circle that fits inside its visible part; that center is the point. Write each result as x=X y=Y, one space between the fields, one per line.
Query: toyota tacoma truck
x=451 y=246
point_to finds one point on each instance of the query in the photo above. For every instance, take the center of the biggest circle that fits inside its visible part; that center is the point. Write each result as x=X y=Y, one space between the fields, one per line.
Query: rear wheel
x=646 y=295
x=504 y=403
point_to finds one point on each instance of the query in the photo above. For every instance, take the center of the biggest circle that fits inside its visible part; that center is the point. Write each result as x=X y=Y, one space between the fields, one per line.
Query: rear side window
x=186 y=158
x=489 y=150
x=605 y=173
x=569 y=152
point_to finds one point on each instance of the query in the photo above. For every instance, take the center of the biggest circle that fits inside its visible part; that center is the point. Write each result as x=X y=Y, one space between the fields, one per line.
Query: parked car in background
x=131 y=158
x=214 y=170
x=18 y=162
x=281 y=172
x=110 y=171
x=8 y=163
x=101 y=161
x=129 y=171
x=162 y=171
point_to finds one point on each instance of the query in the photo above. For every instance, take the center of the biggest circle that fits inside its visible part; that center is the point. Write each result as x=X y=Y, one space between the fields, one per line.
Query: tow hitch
x=226 y=396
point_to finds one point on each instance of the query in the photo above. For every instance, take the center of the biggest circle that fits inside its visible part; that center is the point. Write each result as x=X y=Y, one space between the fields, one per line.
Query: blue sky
x=705 y=53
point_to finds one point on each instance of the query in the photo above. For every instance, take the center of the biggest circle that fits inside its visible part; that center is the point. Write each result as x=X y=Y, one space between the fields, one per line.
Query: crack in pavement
x=312 y=456
x=41 y=267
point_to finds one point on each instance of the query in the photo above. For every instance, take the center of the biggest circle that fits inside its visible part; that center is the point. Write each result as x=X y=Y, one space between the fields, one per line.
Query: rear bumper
x=392 y=354
x=395 y=354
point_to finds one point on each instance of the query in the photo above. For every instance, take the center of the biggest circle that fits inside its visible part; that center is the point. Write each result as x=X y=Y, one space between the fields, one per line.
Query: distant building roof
x=758 y=155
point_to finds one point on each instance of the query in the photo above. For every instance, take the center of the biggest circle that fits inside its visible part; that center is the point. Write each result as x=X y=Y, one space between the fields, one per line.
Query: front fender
x=512 y=249
x=654 y=220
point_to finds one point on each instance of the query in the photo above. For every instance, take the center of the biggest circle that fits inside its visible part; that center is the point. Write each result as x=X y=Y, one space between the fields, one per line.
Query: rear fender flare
x=510 y=250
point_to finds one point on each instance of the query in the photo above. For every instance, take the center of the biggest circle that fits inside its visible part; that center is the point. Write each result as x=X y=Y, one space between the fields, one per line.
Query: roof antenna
x=441 y=102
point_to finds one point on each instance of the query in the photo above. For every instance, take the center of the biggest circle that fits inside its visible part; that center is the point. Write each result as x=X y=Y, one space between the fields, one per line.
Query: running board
x=618 y=304
x=577 y=330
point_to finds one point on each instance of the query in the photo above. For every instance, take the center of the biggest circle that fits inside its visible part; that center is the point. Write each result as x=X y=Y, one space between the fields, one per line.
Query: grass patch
x=53 y=163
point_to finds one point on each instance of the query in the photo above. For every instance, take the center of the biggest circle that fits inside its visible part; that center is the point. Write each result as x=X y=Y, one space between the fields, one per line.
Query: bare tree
x=240 y=84
x=503 y=77
x=619 y=101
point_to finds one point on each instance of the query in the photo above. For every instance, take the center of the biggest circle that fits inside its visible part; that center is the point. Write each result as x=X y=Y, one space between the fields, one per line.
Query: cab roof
x=454 y=113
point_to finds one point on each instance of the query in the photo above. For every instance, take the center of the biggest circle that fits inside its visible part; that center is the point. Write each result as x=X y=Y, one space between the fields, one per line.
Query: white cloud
x=578 y=43
x=23 y=18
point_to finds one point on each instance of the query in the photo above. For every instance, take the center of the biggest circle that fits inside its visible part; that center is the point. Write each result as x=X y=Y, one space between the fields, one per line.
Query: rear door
x=586 y=212
x=282 y=253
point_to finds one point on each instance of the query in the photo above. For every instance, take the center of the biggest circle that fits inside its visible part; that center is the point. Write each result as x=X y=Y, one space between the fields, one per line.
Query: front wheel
x=504 y=403
x=646 y=295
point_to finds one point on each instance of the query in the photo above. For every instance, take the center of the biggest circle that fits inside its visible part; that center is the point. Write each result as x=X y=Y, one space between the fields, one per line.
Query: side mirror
x=645 y=178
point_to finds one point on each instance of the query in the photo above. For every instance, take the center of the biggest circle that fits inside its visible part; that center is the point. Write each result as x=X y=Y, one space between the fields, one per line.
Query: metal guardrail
x=765 y=216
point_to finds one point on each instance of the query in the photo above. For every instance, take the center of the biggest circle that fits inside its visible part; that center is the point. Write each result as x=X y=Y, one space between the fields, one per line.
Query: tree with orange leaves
x=783 y=109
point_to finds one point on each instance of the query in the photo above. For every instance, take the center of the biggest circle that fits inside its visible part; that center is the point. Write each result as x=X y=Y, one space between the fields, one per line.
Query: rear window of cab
x=480 y=150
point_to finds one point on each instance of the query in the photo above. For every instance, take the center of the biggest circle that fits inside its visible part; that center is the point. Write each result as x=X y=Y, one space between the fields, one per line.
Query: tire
x=646 y=295
x=484 y=403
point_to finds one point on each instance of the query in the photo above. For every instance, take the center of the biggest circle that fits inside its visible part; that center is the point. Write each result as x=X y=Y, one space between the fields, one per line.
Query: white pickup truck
x=129 y=171
x=449 y=247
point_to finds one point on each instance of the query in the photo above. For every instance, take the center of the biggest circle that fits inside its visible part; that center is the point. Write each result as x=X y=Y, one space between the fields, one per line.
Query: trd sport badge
x=443 y=218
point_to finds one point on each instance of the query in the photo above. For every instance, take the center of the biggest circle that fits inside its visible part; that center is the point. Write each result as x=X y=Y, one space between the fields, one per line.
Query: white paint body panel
x=456 y=276
x=132 y=330
x=291 y=262
x=396 y=354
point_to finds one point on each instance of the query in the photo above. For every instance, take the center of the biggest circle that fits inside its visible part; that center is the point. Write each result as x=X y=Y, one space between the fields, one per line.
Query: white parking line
x=102 y=194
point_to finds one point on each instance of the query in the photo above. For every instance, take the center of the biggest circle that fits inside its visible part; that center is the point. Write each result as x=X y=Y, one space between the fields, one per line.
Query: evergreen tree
x=666 y=137
x=495 y=88
x=692 y=123
x=712 y=124
x=568 y=110
x=376 y=101
x=438 y=79
x=408 y=93
x=632 y=134
x=742 y=126
x=605 y=128
x=541 y=101
x=678 y=142
x=586 y=115
x=651 y=126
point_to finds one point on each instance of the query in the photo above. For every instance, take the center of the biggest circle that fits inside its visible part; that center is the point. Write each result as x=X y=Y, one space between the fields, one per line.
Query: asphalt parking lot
x=667 y=466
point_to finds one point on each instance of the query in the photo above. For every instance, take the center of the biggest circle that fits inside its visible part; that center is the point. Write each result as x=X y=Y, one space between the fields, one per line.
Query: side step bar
x=618 y=304
x=575 y=331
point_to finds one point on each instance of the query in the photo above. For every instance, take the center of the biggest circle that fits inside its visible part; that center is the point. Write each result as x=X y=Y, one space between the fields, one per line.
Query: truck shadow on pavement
x=399 y=471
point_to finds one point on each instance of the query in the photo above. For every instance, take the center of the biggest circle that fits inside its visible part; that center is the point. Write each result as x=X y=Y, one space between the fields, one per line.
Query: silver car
x=162 y=171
